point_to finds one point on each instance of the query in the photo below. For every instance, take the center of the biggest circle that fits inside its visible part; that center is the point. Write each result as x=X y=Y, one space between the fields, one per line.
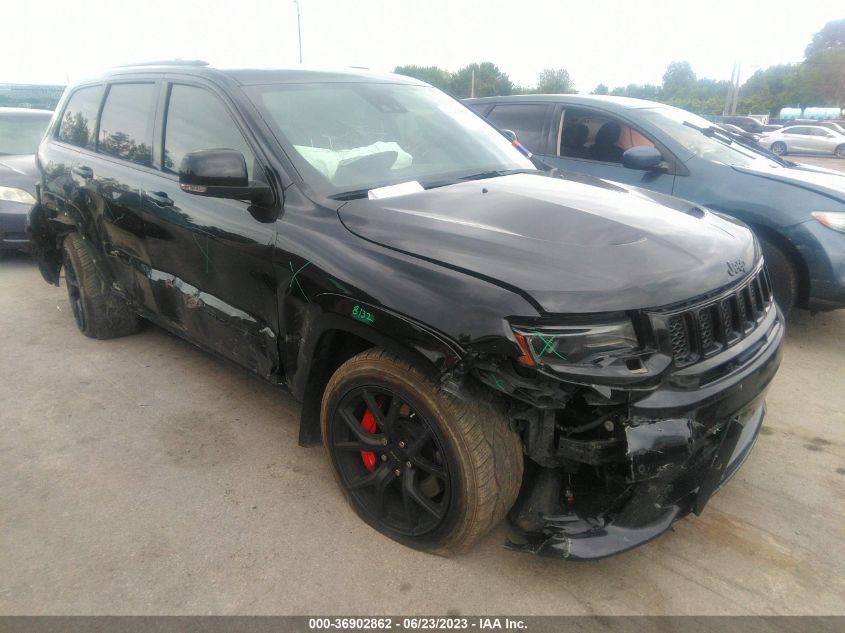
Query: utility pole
x=729 y=97
x=298 y=29
x=472 y=85
x=736 y=88
x=732 y=97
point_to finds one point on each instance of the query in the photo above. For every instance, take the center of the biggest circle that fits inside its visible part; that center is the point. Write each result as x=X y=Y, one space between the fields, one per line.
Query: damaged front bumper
x=677 y=448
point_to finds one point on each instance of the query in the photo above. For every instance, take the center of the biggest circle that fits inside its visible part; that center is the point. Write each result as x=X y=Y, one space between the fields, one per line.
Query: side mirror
x=510 y=135
x=643 y=157
x=219 y=173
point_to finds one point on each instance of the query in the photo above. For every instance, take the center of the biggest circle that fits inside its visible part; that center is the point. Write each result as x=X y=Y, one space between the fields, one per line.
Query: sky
x=601 y=41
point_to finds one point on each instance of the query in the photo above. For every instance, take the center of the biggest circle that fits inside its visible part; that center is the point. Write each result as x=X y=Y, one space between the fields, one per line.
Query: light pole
x=298 y=29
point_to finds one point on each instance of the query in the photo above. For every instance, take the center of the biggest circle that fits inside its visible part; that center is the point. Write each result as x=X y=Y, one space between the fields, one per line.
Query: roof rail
x=168 y=62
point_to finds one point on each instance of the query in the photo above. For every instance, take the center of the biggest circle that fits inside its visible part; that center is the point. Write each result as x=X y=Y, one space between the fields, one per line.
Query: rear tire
x=783 y=275
x=779 y=148
x=840 y=151
x=98 y=311
x=376 y=411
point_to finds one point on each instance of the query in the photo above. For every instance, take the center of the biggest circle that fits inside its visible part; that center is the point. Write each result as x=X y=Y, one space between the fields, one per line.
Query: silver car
x=804 y=139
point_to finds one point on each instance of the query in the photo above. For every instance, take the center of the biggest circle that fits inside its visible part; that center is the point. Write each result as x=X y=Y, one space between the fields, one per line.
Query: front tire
x=420 y=466
x=779 y=148
x=98 y=311
x=783 y=275
x=840 y=151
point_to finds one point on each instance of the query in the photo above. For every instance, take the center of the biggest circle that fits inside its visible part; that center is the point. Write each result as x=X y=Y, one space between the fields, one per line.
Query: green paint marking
x=362 y=315
x=499 y=385
x=548 y=345
x=204 y=251
x=117 y=219
x=294 y=280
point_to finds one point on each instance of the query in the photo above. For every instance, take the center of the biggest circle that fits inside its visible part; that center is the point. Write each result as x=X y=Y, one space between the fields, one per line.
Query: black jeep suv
x=470 y=337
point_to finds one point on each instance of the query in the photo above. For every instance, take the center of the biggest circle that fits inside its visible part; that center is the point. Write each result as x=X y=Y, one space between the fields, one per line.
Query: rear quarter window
x=525 y=119
x=79 y=120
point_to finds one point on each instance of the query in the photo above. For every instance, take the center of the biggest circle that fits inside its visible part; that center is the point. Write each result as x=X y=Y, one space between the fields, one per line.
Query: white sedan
x=804 y=139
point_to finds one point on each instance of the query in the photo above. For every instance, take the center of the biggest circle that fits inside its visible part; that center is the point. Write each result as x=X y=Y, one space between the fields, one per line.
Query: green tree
x=601 y=89
x=818 y=80
x=489 y=81
x=555 y=81
x=822 y=76
x=679 y=80
x=638 y=91
x=437 y=77
x=831 y=37
x=75 y=129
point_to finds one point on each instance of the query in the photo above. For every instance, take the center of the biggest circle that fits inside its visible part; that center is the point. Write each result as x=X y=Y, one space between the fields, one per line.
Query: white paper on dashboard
x=402 y=189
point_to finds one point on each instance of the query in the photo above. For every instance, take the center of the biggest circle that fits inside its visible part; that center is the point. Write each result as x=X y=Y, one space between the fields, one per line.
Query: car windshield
x=691 y=130
x=21 y=134
x=347 y=138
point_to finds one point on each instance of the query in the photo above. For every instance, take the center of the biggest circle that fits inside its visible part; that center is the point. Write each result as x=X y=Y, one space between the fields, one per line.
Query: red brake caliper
x=369 y=424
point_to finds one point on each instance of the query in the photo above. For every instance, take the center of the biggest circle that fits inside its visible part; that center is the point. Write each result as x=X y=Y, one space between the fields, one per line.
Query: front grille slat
x=705 y=329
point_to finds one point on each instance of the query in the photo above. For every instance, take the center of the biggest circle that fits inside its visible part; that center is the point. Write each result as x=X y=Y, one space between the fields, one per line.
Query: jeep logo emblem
x=736 y=267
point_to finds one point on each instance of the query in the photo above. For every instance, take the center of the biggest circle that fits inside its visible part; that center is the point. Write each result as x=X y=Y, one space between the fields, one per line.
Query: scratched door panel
x=112 y=197
x=211 y=269
x=211 y=273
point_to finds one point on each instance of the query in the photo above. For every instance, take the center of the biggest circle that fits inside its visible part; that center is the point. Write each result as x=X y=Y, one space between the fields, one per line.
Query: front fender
x=415 y=343
x=323 y=342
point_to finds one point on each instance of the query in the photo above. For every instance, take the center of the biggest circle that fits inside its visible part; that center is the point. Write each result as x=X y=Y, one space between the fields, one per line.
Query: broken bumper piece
x=679 y=447
x=644 y=517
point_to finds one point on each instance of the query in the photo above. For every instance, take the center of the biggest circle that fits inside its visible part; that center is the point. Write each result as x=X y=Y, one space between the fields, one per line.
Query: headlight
x=16 y=195
x=831 y=219
x=589 y=344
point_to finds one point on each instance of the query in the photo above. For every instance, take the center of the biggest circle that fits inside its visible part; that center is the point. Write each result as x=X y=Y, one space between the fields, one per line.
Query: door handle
x=83 y=171
x=160 y=198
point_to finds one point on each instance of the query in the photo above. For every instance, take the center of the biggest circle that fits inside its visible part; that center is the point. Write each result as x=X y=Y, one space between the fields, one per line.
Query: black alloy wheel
x=391 y=462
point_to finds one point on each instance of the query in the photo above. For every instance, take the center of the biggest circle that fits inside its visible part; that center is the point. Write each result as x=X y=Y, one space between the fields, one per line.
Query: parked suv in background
x=746 y=123
x=21 y=130
x=797 y=211
x=468 y=335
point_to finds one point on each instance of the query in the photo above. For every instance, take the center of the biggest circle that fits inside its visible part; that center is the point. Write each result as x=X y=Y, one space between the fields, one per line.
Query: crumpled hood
x=18 y=170
x=822 y=181
x=567 y=245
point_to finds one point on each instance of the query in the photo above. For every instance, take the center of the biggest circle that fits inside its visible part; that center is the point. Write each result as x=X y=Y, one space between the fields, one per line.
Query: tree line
x=818 y=80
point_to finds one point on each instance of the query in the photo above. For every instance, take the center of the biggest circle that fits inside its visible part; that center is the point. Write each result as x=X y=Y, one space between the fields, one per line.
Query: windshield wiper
x=728 y=137
x=712 y=132
x=498 y=172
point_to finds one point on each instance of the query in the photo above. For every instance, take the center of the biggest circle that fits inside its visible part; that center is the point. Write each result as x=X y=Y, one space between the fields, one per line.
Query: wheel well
x=794 y=257
x=333 y=349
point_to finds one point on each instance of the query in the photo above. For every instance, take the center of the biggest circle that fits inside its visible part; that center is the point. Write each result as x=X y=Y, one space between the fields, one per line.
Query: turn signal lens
x=831 y=219
x=526 y=358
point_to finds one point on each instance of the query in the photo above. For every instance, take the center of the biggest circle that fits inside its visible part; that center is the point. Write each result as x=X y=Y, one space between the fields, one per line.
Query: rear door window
x=525 y=119
x=79 y=120
x=198 y=120
x=125 y=122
